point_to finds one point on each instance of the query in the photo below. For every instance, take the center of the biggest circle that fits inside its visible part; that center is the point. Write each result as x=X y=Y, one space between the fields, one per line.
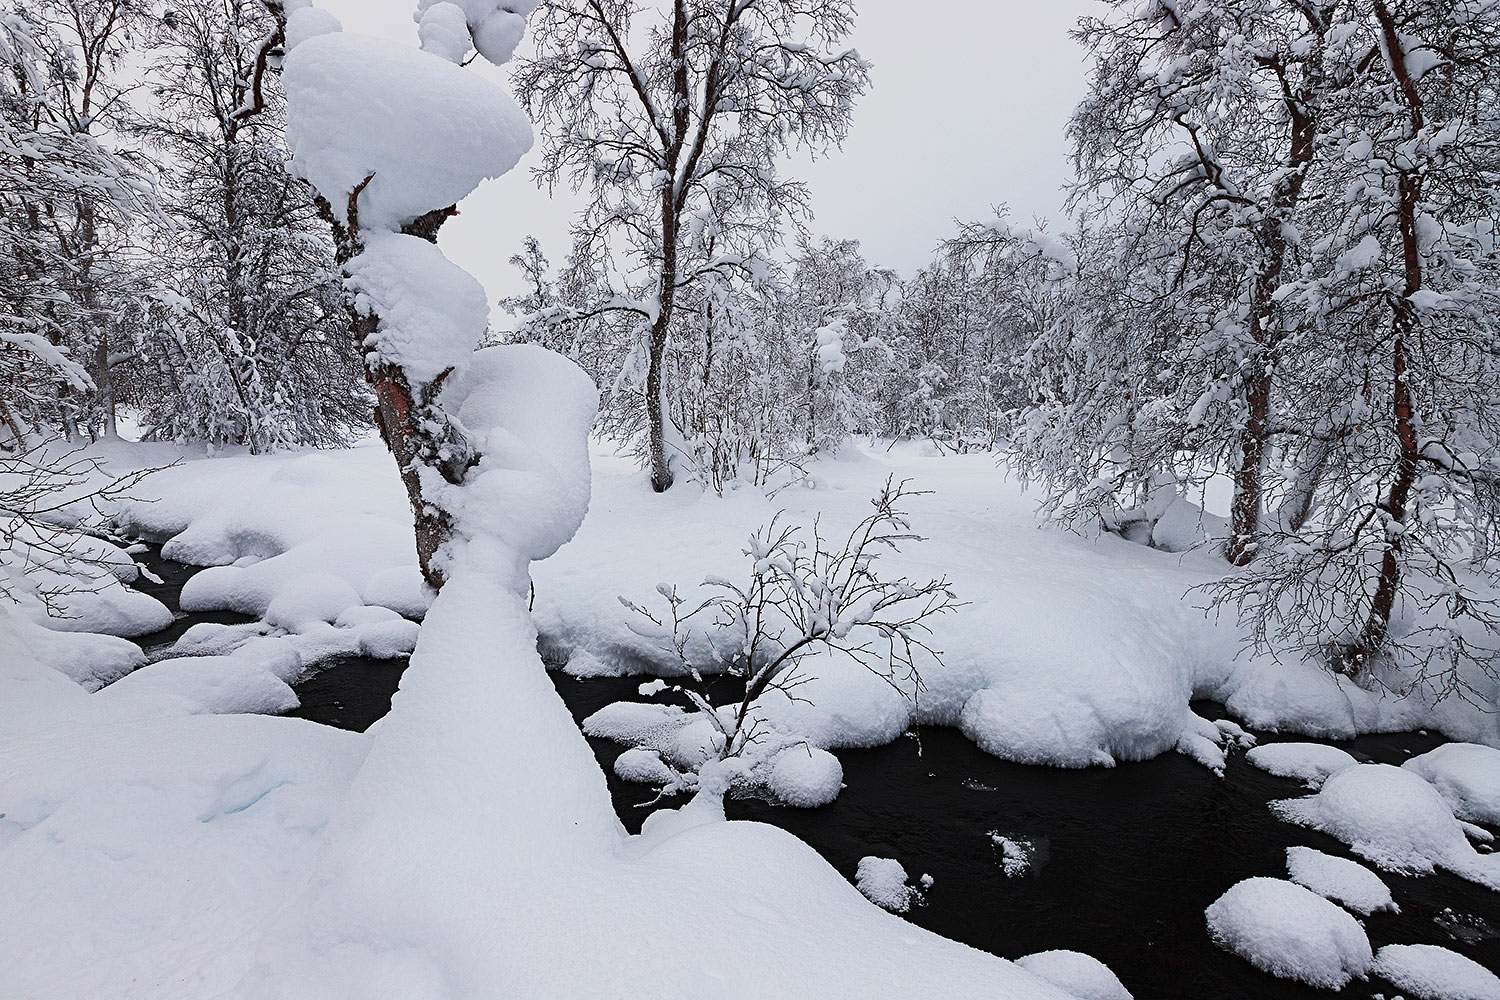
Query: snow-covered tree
x=68 y=201
x=1388 y=553
x=1194 y=147
x=674 y=120
x=245 y=338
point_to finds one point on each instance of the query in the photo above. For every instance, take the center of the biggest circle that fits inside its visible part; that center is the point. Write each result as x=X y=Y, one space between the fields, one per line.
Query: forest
x=1108 y=606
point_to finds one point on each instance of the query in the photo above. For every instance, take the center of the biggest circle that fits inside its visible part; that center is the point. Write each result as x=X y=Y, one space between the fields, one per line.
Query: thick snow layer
x=1310 y=763
x=1339 y=879
x=1395 y=819
x=1467 y=776
x=1082 y=975
x=432 y=312
x=1433 y=973
x=1290 y=932
x=883 y=882
x=481 y=758
x=1072 y=651
x=423 y=131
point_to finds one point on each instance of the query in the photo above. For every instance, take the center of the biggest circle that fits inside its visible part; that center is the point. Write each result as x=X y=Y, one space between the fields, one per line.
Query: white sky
x=966 y=111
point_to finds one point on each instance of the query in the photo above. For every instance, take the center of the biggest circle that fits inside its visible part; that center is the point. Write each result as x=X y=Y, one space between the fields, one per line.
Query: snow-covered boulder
x=1467 y=776
x=1339 y=879
x=1395 y=819
x=1309 y=763
x=1430 y=972
x=1082 y=975
x=1290 y=932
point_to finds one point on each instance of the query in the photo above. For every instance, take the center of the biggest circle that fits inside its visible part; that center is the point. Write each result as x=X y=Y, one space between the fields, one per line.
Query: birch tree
x=674 y=120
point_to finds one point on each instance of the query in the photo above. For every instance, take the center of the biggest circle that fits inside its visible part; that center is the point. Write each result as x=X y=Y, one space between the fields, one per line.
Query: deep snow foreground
x=466 y=845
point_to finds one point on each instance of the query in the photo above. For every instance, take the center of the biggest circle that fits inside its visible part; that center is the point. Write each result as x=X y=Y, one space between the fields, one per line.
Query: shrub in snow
x=1082 y=975
x=1430 y=972
x=883 y=882
x=1290 y=932
x=802 y=599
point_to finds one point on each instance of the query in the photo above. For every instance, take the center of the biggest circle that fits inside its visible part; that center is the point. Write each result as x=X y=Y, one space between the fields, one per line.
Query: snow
x=1467 y=776
x=1354 y=886
x=1430 y=972
x=1290 y=932
x=883 y=882
x=428 y=131
x=432 y=312
x=309 y=22
x=805 y=777
x=1393 y=818
x=1310 y=763
x=1082 y=975
x=444 y=32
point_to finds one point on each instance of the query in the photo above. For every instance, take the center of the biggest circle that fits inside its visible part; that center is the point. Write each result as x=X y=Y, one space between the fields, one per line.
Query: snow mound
x=1339 y=879
x=1290 y=932
x=1467 y=776
x=1310 y=763
x=1082 y=975
x=1393 y=818
x=883 y=882
x=215 y=685
x=424 y=131
x=1434 y=973
x=806 y=777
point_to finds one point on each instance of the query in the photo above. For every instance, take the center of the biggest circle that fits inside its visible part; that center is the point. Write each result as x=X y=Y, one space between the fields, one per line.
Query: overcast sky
x=966 y=111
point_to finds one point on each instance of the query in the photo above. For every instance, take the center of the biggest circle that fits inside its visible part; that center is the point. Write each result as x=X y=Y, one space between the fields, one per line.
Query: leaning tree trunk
x=417 y=433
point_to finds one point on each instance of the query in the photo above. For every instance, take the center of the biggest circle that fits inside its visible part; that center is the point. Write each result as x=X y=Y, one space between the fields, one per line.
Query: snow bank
x=1290 y=932
x=1082 y=975
x=361 y=107
x=1339 y=879
x=1467 y=776
x=1433 y=973
x=1072 y=651
x=1395 y=819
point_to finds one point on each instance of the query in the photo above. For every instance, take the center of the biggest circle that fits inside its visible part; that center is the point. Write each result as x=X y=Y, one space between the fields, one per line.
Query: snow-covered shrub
x=807 y=600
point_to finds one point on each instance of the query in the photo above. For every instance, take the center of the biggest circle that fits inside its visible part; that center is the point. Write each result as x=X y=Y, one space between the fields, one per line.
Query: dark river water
x=1128 y=857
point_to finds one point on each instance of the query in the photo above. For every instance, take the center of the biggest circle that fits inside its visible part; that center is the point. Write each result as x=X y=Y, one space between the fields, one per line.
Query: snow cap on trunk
x=422 y=131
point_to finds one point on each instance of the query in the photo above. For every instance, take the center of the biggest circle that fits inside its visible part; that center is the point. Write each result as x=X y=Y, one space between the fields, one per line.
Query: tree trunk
x=1255 y=437
x=1377 y=626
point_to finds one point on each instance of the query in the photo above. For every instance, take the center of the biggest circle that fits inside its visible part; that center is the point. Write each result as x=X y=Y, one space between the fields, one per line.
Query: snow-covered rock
x=1339 y=879
x=1290 y=932
x=1310 y=763
x=1430 y=972
x=1467 y=776
x=883 y=882
x=1082 y=975
x=1395 y=819
x=805 y=776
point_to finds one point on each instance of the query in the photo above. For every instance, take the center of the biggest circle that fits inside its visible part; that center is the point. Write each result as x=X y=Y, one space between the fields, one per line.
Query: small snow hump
x=1290 y=932
x=1082 y=975
x=883 y=882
